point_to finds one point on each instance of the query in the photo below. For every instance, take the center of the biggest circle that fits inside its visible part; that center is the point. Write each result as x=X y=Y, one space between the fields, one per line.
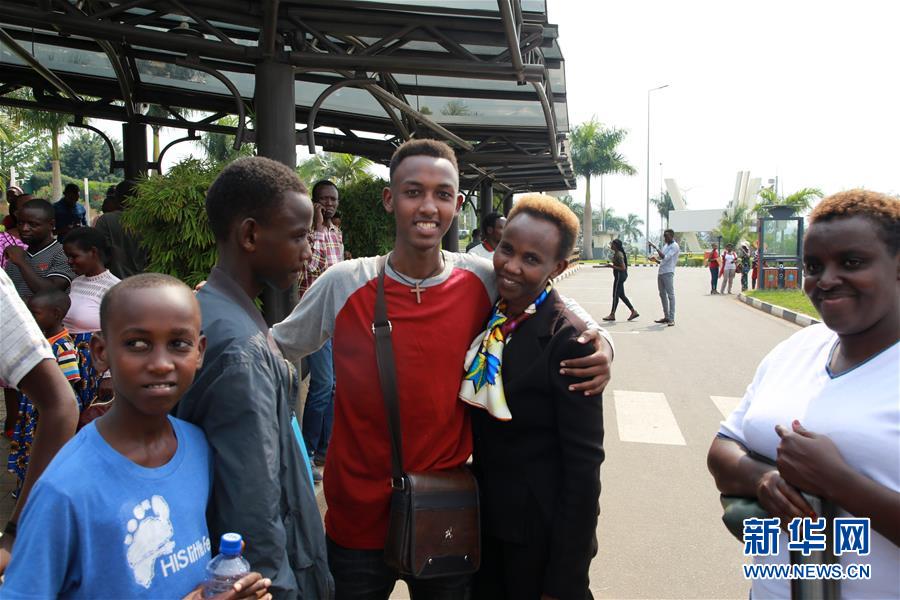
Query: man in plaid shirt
x=327 y=246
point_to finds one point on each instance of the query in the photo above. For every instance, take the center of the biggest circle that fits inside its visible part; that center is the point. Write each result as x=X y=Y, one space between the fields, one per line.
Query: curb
x=569 y=272
x=778 y=311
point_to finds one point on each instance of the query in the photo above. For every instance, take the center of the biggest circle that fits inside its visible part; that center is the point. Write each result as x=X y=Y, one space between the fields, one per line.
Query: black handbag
x=434 y=528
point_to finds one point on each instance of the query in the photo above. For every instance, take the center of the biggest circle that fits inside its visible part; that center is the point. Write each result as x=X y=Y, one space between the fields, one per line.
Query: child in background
x=136 y=526
x=48 y=308
x=88 y=253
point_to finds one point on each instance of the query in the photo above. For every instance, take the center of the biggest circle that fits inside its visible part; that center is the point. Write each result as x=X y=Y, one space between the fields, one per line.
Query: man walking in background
x=327 y=247
x=491 y=232
x=69 y=214
x=665 y=279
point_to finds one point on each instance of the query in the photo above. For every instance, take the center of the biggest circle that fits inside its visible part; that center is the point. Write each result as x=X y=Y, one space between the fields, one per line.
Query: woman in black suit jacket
x=538 y=446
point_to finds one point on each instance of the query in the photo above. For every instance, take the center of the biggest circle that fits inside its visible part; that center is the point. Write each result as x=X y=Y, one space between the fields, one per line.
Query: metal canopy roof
x=487 y=76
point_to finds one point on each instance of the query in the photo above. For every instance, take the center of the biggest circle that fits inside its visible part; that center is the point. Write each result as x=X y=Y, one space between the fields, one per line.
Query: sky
x=805 y=91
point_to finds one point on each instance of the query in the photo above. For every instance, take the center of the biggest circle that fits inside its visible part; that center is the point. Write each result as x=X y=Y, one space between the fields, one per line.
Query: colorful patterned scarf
x=482 y=385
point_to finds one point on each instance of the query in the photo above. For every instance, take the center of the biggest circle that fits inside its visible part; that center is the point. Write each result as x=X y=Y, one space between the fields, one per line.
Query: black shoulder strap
x=387 y=374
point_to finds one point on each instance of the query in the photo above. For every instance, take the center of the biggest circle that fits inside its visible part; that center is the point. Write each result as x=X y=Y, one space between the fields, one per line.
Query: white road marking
x=725 y=404
x=645 y=417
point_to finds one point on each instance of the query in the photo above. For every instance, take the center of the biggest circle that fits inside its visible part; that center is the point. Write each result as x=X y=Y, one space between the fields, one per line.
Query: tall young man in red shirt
x=437 y=301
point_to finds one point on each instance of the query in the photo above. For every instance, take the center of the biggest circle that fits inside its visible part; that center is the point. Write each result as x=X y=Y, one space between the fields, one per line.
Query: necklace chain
x=417 y=285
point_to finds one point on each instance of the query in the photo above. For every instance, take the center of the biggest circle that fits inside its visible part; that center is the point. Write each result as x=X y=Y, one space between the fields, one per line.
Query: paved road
x=660 y=531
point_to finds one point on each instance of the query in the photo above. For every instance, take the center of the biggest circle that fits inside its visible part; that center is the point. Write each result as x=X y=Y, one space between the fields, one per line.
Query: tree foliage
x=342 y=169
x=368 y=229
x=85 y=154
x=168 y=211
x=735 y=225
x=663 y=205
x=219 y=147
x=25 y=150
x=594 y=154
x=801 y=200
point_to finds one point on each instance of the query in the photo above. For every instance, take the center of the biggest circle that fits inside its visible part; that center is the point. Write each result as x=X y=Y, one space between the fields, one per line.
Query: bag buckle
x=398 y=484
x=390 y=327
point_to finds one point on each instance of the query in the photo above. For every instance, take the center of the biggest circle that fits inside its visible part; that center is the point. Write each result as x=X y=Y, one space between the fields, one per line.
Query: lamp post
x=647 y=222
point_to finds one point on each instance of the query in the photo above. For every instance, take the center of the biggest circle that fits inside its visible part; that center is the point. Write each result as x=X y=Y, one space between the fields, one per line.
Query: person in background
x=755 y=261
x=476 y=239
x=491 y=232
x=127 y=256
x=729 y=266
x=48 y=307
x=88 y=253
x=619 y=265
x=327 y=247
x=745 y=259
x=244 y=396
x=665 y=278
x=27 y=363
x=10 y=237
x=538 y=446
x=823 y=409
x=68 y=213
x=135 y=526
x=43 y=263
x=713 y=263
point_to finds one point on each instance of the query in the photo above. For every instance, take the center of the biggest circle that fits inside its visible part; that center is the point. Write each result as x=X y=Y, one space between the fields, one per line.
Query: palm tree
x=219 y=147
x=663 y=205
x=734 y=225
x=53 y=123
x=155 y=110
x=631 y=227
x=801 y=200
x=594 y=153
x=340 y=168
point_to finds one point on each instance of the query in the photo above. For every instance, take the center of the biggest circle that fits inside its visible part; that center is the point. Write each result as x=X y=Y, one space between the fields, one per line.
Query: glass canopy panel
x=347 y=100
x=477 y=111
x=561 y=110
x=167 y=74
x=558 y=79
x=68 y=60
x=457 y=5
x=465 y=84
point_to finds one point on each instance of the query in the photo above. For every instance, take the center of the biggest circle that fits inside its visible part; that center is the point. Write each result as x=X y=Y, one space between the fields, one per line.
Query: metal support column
x=507 y=203
x=485 y=200
x=134 y=138
x=275 y=139
x=451 y=238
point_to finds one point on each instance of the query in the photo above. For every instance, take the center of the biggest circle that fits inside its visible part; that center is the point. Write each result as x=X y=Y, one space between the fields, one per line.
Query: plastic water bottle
x=228 y=567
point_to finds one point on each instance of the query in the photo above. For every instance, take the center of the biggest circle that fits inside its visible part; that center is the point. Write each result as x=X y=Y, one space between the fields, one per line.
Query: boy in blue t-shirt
x=120 y=512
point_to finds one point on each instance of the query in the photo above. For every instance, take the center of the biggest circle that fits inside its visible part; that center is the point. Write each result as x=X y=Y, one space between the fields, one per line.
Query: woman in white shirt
x=729 y=266
x=88 y=253
x=824 y=405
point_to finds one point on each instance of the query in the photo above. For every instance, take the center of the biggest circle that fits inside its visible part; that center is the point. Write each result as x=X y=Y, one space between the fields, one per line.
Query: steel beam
x=134 y=142
x=35 y=64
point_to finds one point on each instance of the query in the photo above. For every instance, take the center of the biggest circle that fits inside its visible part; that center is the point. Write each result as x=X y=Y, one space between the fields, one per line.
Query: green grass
x=794 y=300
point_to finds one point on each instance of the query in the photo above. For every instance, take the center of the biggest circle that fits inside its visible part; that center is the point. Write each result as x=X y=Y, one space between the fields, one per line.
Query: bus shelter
x=354 y=76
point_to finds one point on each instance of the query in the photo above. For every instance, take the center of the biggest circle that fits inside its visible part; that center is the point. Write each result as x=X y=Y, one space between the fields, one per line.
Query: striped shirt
x=327 y=250
x=66 y=355
x=22 y=346
x=50 y=261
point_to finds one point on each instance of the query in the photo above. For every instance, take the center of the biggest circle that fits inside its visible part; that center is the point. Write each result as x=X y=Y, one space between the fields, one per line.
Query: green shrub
x=367 y=228
x=169 y=214
x=39 y=184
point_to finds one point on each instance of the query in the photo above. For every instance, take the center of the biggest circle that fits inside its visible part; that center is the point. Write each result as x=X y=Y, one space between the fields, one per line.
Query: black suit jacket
x=540 y=472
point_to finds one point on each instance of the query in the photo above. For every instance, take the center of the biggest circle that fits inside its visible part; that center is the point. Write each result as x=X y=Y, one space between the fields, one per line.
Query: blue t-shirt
x=66 y=215
x=98 y=525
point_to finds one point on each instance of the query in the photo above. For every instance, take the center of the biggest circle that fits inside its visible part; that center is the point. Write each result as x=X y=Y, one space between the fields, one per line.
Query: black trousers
x=619 y=278
x=363 y=575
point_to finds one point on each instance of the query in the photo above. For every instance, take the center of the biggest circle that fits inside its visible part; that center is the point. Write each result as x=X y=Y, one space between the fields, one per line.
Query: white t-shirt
x=859 y=410
x=22 y=345
x=729 y=258
x=670 y=258
x=86 y=295
x=481 y=251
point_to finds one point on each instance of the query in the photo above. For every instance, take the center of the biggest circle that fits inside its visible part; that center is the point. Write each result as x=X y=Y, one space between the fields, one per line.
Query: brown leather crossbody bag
x=434 y=523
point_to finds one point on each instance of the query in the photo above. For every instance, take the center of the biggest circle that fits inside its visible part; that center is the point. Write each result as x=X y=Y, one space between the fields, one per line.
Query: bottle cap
x=230 y=544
